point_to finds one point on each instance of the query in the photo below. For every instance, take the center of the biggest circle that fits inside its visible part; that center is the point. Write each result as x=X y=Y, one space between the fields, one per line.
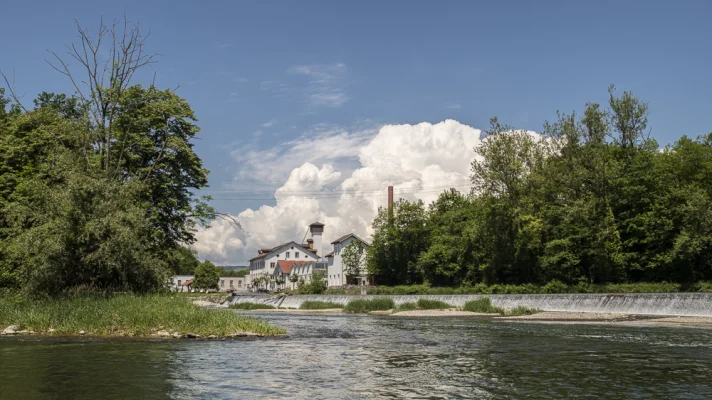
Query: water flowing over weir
x=684 y=304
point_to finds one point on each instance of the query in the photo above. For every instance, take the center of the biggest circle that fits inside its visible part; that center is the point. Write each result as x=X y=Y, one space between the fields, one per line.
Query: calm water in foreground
x=353 y=357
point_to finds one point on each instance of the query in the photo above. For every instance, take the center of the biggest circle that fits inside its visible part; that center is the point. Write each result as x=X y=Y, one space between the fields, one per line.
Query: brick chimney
x=390 y=197
x=310 y=243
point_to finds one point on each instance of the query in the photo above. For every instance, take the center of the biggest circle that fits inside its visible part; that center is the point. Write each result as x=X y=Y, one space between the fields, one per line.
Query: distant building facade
x=336 y=275
x=184 y=283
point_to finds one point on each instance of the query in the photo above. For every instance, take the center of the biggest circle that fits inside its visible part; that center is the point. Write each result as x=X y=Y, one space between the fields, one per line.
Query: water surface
x=363 y=357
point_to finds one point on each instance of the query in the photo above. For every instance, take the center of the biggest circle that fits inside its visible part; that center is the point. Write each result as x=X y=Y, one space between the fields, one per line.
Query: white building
x=335 y=270
x=183 y=283
x=262 y=268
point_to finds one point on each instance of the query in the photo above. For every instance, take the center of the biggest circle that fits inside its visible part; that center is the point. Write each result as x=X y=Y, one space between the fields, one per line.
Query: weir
x=683 y=304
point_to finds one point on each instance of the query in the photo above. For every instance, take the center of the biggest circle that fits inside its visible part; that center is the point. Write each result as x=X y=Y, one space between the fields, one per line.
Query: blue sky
x=265 y=75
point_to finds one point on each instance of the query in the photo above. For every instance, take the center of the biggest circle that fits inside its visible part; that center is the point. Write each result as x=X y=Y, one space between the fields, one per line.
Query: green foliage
x=353 y=258
x=233 y=273
x=251 y=306
x=207 y=276
x=407 y=307
x=184 y=261
x=319 y=305
x=365 y=306
x=400 y=236
x=591 y=204
x=97 y=190
x=425 y=304
x=482 y=305
x=314 y=285
x=125 y=316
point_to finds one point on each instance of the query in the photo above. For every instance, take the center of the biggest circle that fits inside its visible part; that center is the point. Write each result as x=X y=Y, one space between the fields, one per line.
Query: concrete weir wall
x=685 y=304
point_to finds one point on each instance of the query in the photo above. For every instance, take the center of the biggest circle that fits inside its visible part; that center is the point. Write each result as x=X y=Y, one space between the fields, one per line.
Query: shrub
x=555 y=287
x=319 y=305
x=482 y=305
x=364 y=306
x=425 y=304
x=521 y=310
x=251 y=306
x=407 y=307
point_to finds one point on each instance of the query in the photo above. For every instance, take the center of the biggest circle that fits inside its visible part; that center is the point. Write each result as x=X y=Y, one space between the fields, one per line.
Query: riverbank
x=126 y=316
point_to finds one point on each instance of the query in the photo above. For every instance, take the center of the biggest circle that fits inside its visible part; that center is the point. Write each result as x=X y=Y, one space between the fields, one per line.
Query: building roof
x=273 y=249
x=341 y=239
x=188 y=282
x=330 y=254
x=316 y=224
x=287 y=265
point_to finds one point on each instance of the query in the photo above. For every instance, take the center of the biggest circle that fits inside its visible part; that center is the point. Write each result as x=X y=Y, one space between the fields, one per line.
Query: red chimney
x=390 y=197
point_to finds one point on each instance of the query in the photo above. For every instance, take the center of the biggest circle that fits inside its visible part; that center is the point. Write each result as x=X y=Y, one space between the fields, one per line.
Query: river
x=365 y=357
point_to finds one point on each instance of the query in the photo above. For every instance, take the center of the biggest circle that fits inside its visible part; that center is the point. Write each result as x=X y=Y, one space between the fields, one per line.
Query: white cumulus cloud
x=420 y=161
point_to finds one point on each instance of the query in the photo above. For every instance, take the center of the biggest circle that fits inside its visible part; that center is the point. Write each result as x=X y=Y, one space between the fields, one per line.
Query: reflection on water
x=354 y=357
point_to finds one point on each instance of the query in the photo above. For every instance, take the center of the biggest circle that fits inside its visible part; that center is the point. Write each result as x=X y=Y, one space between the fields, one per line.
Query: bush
x=555 y=287
x=407 y=307
x=251 y=306
x=483 y=305
x=364 y=306
x=314 y=285
x=319 y=305
x=521 y=310
x=425 y=304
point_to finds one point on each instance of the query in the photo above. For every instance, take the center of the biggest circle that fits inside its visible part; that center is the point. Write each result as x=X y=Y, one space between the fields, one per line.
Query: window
x=230 y=283
x=296 y=254
x=286 y=255
x=239 y=283
x=305 y=256
x=179 y=282
x=222 y=283
x=271 y=265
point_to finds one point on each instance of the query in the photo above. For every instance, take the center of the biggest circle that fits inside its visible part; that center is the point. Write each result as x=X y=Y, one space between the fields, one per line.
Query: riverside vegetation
x=125 y=315
x=591 y=204
x=97 y=196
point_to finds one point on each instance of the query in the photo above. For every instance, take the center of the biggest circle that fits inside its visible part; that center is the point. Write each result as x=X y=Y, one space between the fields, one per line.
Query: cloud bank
x=420 y=161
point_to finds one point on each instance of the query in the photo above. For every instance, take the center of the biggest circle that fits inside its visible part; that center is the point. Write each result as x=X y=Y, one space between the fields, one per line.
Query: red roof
x=286 y=265
x=188 y=282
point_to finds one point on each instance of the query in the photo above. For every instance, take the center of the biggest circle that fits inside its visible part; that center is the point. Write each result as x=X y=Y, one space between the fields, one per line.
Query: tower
x=316 y=229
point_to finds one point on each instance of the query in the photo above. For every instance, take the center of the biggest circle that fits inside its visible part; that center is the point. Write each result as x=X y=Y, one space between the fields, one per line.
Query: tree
x=399 y=237
x=315 y=284
x=207 y=276
x=354 y=259
x=184 y=261
x=97 y=188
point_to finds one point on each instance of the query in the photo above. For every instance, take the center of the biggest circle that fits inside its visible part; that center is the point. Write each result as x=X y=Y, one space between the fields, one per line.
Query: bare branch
x=13 y=91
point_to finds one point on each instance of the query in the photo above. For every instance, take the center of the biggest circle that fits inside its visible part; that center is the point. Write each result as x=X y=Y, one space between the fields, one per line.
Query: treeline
x=97 y=187
x=592 y=200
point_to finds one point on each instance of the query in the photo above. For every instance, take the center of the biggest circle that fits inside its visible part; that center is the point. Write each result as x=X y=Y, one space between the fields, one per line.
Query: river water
x=367 y=357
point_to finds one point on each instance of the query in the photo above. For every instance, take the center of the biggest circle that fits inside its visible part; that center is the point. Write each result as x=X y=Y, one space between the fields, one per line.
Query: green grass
x=251 y=306
x=406 y=307
x=425 y=304
x=364 y=306
x=125 y=315
x=549 y=288
x=483 y=305
x=319 y=305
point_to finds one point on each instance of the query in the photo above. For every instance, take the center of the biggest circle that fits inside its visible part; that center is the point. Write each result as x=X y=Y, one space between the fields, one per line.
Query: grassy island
x=127 y=315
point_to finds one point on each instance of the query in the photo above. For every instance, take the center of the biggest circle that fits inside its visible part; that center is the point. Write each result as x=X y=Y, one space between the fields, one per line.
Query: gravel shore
x=684 y=320
x=440 y=313
x=570 y=316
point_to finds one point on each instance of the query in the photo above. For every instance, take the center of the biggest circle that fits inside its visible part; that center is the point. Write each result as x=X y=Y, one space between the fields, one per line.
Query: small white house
x=183 y=283
x=335 y=271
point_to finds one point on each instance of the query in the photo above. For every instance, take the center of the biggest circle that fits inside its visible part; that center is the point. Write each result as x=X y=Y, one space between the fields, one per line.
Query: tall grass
x=484 y=305
x=319 y=305
x=251 y=306
x=125 y=315
x=425 y=304
x=364 y=306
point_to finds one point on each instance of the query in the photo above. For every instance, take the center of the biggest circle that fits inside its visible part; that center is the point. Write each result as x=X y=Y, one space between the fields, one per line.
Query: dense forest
x=97 y=187
x=592 y=200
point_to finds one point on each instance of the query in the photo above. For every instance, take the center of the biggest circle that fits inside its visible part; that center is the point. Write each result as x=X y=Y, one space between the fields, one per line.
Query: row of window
x=222 y=283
